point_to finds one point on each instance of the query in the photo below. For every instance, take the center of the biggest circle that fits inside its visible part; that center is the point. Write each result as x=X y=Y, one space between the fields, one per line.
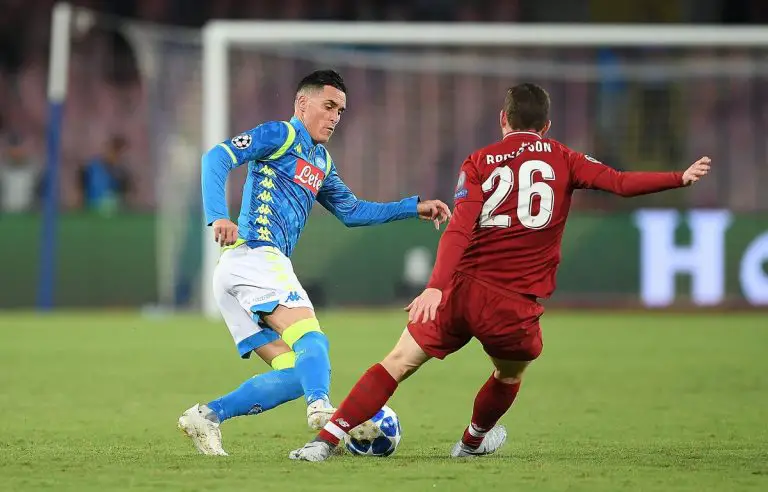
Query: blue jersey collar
x=303 y=133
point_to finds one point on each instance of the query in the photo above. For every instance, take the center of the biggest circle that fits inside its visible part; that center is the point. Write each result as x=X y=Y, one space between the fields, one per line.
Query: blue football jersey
x=287 y=172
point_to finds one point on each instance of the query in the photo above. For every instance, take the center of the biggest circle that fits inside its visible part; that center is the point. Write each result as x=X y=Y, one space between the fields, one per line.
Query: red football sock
x=366 y=398
x=492 y=401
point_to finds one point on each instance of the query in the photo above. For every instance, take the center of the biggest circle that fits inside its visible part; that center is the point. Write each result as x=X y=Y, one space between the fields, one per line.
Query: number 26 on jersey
x=502 y=180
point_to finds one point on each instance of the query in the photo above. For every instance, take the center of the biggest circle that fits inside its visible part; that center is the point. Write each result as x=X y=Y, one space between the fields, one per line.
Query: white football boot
x=312 y=451
x=367 y=431
x=319 y=412
x=205 y=433
x=493 y=440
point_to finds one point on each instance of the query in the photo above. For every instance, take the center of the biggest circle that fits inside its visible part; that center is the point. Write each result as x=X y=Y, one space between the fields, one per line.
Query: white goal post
x=220 y=36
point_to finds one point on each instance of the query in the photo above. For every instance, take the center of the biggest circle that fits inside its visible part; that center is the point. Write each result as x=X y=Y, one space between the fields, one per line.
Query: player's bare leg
x=201 y=424
x=371 y=392
x=270 y=351
x=482 y=436
x=405 y=359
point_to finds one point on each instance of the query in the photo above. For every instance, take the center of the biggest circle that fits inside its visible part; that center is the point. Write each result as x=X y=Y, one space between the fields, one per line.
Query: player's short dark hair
x=526 y=107
x=320 y=78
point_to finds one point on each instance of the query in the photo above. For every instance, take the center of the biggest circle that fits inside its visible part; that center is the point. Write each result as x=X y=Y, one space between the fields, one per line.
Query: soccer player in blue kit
x=263 y=304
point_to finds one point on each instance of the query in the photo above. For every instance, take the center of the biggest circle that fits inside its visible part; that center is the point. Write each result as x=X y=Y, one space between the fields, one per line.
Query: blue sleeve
x=338 y=199
x=256 y=144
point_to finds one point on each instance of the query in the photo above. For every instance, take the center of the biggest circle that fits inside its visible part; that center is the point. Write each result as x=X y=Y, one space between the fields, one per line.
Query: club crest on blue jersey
x=320 y=163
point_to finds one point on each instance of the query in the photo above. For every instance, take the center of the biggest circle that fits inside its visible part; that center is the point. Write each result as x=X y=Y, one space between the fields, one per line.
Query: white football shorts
x=249 y=282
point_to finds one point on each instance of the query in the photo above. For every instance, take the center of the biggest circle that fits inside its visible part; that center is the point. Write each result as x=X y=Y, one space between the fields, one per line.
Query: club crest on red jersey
x=308 y=176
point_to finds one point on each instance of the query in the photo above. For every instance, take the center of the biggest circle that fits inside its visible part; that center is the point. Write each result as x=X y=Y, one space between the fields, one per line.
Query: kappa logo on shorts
x=293 y=296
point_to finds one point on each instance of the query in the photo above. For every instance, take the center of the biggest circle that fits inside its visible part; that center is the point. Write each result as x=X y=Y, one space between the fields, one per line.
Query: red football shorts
x=505 y=323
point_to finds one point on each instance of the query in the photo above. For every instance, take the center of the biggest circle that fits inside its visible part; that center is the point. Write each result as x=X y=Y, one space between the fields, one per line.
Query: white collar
x=522 y=133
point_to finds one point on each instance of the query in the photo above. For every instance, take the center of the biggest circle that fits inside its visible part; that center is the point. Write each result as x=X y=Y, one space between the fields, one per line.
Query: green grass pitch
x=619 y=401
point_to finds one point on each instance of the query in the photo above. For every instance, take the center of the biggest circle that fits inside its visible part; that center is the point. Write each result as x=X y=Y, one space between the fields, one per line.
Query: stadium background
x=406 y=132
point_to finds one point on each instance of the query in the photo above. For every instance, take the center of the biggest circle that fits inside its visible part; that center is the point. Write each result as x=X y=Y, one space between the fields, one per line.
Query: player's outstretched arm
x=589 y=173
x=264 y=141
x=338 y=199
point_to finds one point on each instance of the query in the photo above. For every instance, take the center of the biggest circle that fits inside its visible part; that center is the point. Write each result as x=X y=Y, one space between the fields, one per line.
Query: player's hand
x=424 y=307
x=434 y=210
x=698 y=170
x=225 y=232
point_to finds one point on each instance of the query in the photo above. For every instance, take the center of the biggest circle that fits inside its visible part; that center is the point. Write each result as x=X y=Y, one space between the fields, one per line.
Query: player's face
x=321 y=112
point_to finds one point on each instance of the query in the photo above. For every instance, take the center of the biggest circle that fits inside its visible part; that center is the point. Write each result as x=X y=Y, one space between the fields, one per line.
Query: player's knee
x=308 y=327
x=507 y=379
x=272 y=351
x=511 y=375
x=509 y=372
x=296 y=322
x=285 y=360
x=405 y=358
x=397 y=368
x=399 y=365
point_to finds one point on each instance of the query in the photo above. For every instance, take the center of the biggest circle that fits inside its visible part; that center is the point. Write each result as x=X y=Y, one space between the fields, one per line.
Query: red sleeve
x=587 y=172
x=469 y=202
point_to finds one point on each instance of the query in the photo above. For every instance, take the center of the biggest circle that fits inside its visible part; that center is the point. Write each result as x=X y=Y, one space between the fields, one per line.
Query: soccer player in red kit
x=497 y=257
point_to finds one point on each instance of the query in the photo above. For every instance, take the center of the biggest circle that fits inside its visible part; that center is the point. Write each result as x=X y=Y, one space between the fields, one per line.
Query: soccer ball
x=385 y=443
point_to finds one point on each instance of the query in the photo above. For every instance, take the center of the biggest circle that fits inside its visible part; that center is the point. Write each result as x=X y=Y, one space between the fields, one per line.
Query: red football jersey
x=512 y=202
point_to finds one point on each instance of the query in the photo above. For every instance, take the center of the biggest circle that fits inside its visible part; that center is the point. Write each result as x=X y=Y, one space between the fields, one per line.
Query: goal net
x=422 y=97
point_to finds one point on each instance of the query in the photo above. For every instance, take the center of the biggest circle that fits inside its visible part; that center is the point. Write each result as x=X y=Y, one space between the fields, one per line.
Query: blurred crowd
x=112 y=118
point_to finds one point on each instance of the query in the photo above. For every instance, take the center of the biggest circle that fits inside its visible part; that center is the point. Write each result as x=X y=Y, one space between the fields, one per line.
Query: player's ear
x=301 y=102
x=503 y=120
x=546 y=127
